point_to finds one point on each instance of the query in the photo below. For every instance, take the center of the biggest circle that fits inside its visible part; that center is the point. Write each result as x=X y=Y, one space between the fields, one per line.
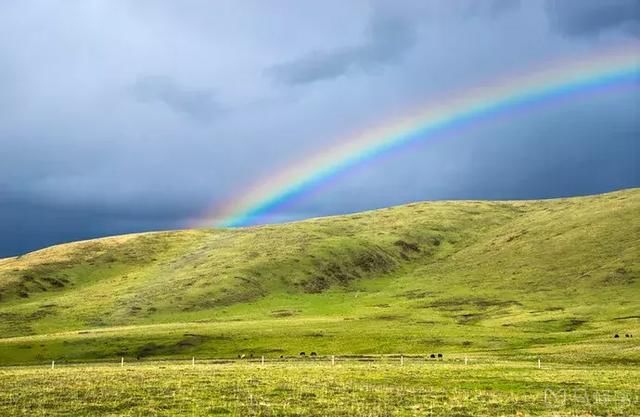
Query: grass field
x=316 y=388
x=506 y=281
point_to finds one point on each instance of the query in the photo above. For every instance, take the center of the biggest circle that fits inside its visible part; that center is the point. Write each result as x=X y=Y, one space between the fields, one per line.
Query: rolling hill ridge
x=548 y=277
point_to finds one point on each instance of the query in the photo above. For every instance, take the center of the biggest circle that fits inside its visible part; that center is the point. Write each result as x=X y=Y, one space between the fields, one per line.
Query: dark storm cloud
x=123 y=116
x=197 y=103
x=391 y=33
x=389 y=38
x=27 y=225
x=589 y=17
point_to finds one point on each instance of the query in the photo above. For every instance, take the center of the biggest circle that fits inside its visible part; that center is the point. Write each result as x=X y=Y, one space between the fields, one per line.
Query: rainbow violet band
x=595 y=72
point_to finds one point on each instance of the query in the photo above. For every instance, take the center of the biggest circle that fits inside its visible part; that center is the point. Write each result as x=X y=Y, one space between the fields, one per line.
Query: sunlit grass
x=316 y=388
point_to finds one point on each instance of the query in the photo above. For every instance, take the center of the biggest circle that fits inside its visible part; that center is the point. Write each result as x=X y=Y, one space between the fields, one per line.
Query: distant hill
x=550 y=277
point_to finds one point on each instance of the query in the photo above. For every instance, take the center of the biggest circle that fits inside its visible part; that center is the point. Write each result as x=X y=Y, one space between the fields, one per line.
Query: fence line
x=390 y=359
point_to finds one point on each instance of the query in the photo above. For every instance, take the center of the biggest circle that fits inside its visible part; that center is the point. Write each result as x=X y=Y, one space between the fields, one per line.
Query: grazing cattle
x=281 y=356
x=626 y=335
x=241 y=356
x=302 y=354
x=616 y=336
x=439 y=355
x=314 y=354
x=432 y=356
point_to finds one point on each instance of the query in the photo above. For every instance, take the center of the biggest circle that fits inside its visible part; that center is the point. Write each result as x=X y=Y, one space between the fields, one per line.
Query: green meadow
x=503 y=282
x=317 y=388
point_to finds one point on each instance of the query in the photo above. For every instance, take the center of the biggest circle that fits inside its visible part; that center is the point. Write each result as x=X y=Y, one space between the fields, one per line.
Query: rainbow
x=598 y=71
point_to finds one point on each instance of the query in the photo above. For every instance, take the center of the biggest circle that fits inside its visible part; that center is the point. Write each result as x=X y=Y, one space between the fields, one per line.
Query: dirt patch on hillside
x=284 y=313
x=406 y=246
x=453 y=304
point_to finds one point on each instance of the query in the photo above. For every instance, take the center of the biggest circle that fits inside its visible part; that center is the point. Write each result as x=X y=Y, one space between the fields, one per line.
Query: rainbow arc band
x=599 y=71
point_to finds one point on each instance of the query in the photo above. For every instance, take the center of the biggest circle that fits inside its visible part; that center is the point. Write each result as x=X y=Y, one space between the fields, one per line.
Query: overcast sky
x=121 y=116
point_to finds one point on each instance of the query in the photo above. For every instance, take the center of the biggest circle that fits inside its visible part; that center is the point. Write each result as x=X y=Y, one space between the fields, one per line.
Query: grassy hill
x=554 y=278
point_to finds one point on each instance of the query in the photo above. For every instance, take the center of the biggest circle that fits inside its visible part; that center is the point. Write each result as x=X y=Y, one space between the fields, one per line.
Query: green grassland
x=511 y=280
x=317 y=388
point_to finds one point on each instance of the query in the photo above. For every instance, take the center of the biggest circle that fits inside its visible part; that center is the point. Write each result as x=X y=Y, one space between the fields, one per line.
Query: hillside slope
x=554 y=277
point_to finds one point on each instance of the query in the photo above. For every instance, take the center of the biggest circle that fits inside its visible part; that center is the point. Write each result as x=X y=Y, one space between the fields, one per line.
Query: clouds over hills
x=145 y=114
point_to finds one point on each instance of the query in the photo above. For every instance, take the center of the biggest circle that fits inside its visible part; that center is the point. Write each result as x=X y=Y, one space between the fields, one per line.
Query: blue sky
x=121 y=116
